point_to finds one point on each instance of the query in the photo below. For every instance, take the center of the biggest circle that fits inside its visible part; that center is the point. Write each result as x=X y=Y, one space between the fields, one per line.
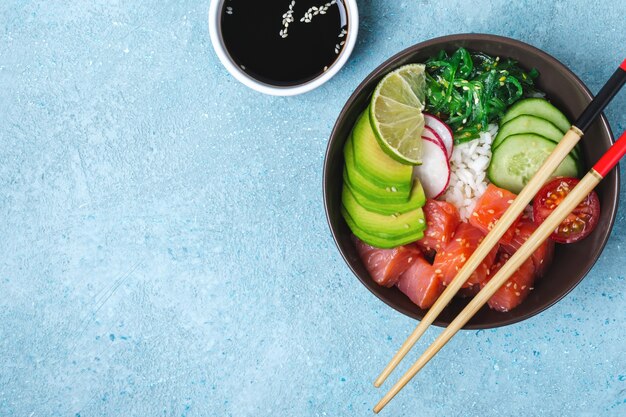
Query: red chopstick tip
x=611 y=157
x=623 y=66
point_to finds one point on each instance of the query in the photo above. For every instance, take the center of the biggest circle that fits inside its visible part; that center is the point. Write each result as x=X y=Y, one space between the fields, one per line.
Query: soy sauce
x=284 y=42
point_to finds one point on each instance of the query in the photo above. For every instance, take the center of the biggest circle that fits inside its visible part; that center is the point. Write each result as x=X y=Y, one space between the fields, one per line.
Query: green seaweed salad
x=471 y=89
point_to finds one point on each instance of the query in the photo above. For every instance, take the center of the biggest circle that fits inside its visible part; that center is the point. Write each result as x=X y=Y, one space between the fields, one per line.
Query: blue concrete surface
x=165 y=250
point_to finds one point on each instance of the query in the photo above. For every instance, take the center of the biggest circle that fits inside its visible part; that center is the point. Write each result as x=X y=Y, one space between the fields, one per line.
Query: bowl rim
x=222 y=53
x=386 y=66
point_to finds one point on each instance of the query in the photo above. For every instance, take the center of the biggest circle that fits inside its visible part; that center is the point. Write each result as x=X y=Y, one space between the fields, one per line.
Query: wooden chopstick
x=493 y=237
x=571 y=138
x=578 y=194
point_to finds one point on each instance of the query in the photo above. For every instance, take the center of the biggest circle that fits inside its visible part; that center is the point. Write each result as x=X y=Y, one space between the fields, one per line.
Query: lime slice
x=396 y=113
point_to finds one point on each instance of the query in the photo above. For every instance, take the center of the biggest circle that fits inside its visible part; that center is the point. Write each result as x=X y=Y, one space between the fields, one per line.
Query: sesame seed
x=517 y=293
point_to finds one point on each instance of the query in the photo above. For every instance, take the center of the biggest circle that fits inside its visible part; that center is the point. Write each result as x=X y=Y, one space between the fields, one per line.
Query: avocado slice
x=417 y=199
x=382 y=195
x=388 y=242
x=374 y=164
x=395 y=225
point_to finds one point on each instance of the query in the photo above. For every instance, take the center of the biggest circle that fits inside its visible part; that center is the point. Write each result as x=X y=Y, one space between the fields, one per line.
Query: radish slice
x=434 y=173
x=430 y=133
x=443 y=130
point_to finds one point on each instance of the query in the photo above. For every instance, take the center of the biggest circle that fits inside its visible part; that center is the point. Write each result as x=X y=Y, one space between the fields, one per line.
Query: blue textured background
x=164 y=245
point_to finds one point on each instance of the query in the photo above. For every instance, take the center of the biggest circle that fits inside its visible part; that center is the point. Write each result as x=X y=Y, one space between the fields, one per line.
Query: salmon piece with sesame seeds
x=442 y=219
x=456 y=252
x=542 y=257
x=516 y=288
x=386 y=265
x=420 y=283
x=490 y=207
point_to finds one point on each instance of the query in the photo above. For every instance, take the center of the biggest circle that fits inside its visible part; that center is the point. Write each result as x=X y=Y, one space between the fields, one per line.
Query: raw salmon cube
x=420 y=283
x=454 y=255
x=489 y=208
x=442 y=219
x=516 y=288
x=542 y=257
x=386 y=265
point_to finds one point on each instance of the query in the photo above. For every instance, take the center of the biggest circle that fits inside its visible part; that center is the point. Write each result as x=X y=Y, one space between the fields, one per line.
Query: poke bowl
x=553 y=86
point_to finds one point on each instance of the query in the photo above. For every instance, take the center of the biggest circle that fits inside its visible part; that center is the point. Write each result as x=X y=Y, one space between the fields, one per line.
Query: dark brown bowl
x=571 y=262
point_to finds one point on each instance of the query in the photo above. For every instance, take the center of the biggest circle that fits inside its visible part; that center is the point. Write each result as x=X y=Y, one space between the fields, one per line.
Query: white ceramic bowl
x=220 y=49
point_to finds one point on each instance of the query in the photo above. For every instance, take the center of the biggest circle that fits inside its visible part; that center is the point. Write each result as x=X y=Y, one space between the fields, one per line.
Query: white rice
x=468 y=172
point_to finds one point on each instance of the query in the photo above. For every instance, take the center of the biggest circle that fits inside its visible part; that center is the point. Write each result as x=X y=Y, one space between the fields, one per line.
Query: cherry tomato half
x=579 y=223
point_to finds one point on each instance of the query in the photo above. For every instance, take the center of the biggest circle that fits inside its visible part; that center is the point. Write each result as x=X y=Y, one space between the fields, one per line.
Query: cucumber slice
x=538 y=107
x=378 y=241
x=417 y=199
x=374 y=164
x=380 y=224
x=519 y=157
x=527 y=123
x=364 y=186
